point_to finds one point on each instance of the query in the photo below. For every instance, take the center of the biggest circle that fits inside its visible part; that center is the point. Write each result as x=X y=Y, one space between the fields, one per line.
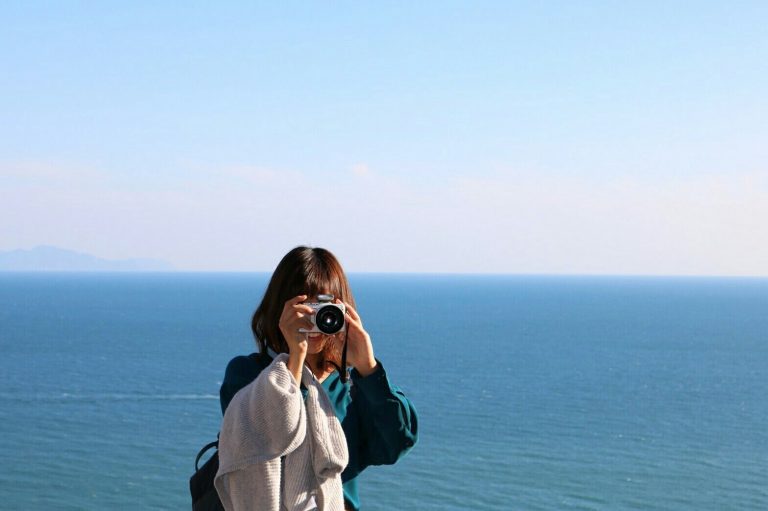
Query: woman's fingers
x=295 y=304
x=304 y=309
x=296 y=316
x=296 y=321
x=352 y=312
x=296 y=299
x=306 y=324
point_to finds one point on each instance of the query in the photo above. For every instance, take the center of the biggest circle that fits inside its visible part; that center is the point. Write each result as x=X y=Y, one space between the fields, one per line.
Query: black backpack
x=204 y=496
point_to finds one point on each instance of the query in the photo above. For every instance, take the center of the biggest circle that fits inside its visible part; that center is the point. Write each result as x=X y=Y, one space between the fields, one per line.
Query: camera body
x=328 y=317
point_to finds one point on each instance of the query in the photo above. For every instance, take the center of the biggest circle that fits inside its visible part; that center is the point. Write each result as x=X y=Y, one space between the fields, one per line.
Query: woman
x=378 y=422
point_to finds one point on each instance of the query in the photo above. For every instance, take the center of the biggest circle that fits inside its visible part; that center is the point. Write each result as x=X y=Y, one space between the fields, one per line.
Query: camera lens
x=329 y=319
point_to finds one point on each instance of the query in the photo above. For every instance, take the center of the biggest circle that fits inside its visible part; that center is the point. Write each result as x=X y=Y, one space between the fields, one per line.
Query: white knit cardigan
x=268 y=419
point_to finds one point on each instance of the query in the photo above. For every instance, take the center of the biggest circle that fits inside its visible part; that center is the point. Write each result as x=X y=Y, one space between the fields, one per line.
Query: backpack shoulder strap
x=215 y=444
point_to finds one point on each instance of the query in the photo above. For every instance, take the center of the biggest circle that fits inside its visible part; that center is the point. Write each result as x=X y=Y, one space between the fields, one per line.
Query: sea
x=532 y=392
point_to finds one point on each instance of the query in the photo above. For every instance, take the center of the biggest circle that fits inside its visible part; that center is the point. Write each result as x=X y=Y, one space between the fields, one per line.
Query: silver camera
x=328 y=317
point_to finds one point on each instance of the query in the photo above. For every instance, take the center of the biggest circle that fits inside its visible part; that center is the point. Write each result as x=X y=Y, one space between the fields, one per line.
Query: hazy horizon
x=268 y=272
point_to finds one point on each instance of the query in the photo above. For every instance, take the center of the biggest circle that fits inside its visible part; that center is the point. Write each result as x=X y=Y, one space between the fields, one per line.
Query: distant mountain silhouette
x=48 y=258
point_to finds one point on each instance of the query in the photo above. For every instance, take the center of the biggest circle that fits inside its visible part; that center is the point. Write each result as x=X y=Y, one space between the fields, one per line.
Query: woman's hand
x=359 y=346
x=296 y=315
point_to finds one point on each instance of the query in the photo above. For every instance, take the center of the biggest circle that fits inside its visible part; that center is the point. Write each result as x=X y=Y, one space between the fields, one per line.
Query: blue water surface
x=533 y=392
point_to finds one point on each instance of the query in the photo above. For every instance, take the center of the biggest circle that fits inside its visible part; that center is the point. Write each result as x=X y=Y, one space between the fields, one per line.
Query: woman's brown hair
x=302 y=271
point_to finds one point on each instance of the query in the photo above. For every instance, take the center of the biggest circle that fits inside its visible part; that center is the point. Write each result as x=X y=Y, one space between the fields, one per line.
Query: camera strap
x=344 y=373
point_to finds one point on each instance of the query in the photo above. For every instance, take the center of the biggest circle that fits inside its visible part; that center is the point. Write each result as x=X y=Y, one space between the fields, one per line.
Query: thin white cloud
x=40 y=173
x=360 y=170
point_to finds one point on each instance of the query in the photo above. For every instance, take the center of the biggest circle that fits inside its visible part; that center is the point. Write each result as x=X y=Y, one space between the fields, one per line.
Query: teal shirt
x=378 y=420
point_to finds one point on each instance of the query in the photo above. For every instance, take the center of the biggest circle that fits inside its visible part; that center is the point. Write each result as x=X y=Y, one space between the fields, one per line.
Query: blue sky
x=513 y=137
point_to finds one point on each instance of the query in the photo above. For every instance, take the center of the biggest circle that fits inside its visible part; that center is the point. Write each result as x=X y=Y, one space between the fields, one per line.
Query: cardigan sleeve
x=388 y=424
x=265 y=419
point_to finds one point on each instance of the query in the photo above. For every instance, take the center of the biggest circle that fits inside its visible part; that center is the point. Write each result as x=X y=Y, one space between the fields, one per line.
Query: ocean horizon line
x=393 y=273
